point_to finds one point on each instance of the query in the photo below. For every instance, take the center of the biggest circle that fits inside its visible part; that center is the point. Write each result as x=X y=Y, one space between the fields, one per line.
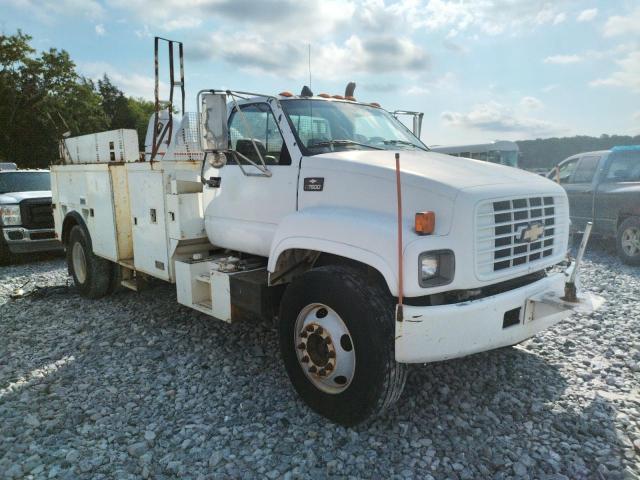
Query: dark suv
x=604 y=187
x=26 y=218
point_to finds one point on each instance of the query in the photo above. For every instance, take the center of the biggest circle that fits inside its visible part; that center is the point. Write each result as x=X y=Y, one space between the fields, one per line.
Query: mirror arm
x=265 y=172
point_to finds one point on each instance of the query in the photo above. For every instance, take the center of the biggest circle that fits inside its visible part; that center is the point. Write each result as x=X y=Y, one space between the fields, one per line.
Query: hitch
x=570 y=290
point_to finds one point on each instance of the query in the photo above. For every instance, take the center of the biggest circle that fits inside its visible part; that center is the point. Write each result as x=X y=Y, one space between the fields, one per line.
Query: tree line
x=42 y=96
x=545 y=153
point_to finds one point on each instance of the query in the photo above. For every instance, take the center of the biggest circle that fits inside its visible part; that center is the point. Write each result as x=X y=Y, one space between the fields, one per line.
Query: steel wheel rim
x=631 y=241
x=324 y=348
x=79 y=262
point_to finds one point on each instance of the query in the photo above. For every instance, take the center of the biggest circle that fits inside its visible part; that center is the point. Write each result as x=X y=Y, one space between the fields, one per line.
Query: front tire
x=337 y=343
x=628 y=241
x=91 y=274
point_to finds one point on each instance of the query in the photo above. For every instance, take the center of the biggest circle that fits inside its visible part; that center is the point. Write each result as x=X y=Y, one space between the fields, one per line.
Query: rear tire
x=628 y=241
x=91 y=274
x=349 y=329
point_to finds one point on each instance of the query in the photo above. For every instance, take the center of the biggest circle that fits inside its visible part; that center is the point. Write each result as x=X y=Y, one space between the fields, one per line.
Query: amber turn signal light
x=425 y=223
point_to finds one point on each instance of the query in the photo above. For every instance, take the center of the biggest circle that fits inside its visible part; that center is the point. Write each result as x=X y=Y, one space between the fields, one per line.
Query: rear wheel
x=337 y=343
x=628 y=241
x=91 y=274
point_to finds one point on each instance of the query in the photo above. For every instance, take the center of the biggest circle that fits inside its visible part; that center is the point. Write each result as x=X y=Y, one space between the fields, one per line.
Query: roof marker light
x=350 y=98
x=339 y=97
x=324 y=95
x=286 y=94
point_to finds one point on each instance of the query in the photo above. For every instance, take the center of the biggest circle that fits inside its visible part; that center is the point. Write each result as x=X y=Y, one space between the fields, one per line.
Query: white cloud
x=559 y=18
x=563 y=59
x=636 y=116
x=627 y=75
x=132 y=84
x=49 y=10
x=100 y=30
x=531 y=103
x=498 y=118
x=587 y=15
x=417 y=90
x=277 y=18
x=623 y=25
x=549 y=88
x=379 y=55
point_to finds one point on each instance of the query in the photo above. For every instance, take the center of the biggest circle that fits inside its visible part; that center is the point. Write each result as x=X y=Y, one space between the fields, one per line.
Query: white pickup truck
x=287 y=206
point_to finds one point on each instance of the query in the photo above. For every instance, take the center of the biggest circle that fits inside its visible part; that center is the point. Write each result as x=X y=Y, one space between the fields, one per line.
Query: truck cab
x=329 y=217
x=26 y=219
x=603 y=187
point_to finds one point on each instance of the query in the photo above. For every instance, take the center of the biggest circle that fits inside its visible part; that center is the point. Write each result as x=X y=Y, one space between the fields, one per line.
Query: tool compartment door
x=148 y=221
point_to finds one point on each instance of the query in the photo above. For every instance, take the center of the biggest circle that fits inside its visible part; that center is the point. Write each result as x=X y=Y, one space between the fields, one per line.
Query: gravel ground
x=135 y=385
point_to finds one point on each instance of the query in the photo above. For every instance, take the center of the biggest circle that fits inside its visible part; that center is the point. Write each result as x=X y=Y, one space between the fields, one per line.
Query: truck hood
x=452 y=174
x=17 y=197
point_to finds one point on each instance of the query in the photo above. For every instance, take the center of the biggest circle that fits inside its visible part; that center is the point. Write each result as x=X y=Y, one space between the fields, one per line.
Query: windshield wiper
x=403 y=142
x=330 y=143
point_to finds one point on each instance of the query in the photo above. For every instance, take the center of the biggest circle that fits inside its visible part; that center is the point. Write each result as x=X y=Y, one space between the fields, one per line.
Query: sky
x=481 y=70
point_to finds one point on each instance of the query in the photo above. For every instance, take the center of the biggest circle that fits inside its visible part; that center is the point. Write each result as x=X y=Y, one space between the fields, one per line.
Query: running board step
x=131 y=284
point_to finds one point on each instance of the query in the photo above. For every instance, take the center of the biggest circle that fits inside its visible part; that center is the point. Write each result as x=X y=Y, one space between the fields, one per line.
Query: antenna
x=309 y=65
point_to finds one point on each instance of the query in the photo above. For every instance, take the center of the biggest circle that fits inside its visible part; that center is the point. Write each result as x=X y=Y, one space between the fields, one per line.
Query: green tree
x=42 y=96
x=35 y=93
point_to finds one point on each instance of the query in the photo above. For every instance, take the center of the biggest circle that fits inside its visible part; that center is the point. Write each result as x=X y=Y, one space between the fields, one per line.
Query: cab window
x=260 y=126
x=566 y=170
x=586 y=169
x=624 y=167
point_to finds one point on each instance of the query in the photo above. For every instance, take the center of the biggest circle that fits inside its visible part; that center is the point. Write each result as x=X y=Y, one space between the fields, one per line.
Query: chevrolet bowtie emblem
x=530 y=233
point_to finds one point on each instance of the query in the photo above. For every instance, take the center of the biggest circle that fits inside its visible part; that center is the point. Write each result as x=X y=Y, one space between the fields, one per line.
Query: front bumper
x=430 y=334
x=23 y=240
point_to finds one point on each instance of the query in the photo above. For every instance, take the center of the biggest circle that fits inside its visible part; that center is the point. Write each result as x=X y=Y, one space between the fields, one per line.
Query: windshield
x=24 y=181
x=324 y=126
x=503 y=157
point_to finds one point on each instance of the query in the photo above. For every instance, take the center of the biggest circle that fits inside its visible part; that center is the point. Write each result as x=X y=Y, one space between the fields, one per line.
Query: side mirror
x=214 y=132
x=417 y=124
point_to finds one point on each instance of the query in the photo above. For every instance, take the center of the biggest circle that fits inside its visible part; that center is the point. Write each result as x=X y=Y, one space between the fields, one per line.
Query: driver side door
x=248 y=205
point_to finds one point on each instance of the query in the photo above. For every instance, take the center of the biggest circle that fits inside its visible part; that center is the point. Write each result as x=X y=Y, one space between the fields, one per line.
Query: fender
x=361 y=235
x=75 y=217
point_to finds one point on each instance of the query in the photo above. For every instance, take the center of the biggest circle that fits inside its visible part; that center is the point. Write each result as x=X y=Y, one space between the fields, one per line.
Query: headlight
x=10 y=214
x=436 y=268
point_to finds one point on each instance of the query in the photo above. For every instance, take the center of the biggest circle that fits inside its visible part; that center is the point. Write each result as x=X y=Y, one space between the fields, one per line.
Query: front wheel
x=337 y=343
x=628 y=241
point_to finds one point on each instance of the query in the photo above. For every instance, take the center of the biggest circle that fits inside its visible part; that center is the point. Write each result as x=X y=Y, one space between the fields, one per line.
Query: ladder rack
x=167 y=130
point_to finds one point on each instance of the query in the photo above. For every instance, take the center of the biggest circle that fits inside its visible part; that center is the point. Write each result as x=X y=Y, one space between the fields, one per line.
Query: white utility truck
x=327 y=214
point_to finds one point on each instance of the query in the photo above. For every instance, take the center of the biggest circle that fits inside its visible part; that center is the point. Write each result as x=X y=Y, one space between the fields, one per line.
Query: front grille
x=36 y=213
x=517 y=232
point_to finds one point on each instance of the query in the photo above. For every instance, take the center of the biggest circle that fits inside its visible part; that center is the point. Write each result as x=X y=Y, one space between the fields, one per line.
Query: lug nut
x=320 y=330
x=329 y=367
x=305 y=359
x=313 y=369
x=310 y=328
x=327 y=341
x=322 y=372
x=332 y=354
x=301 y=346
x=303 y=334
